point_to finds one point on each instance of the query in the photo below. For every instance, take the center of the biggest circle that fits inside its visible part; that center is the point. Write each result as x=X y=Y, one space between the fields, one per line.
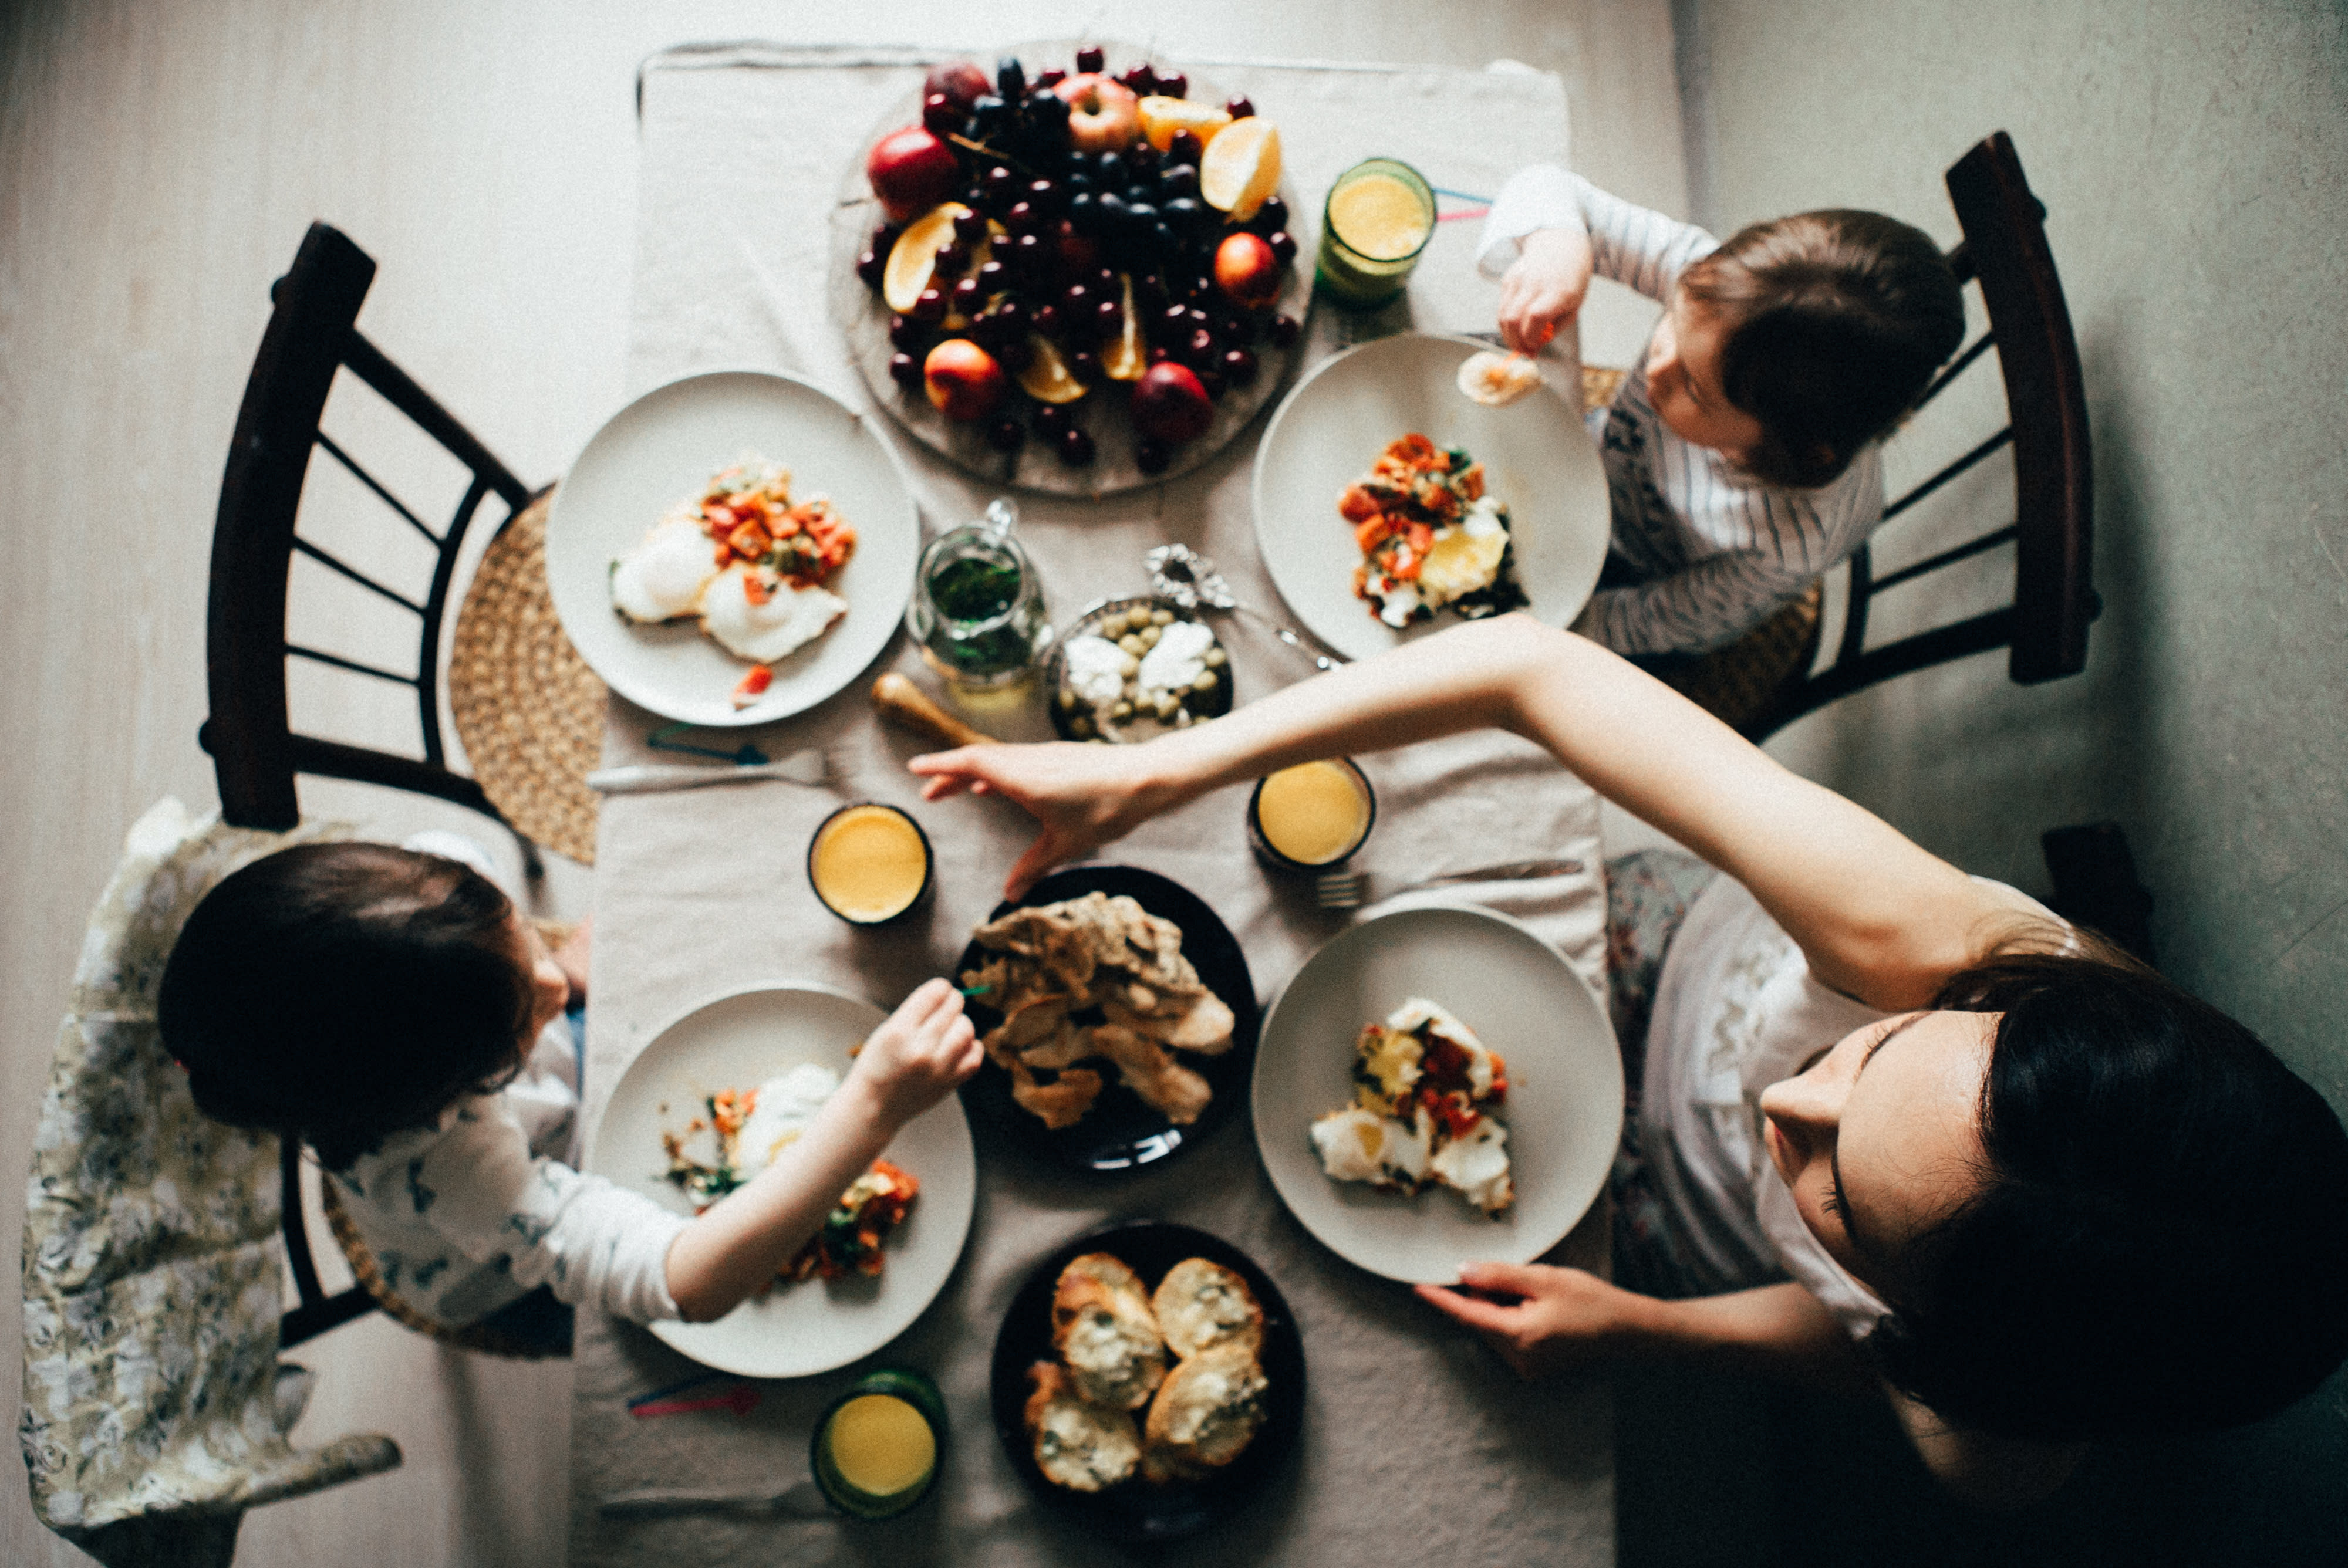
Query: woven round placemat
x=1599 y=384
x=527 y=707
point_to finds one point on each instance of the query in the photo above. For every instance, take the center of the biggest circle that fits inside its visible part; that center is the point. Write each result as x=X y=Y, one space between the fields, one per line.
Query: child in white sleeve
x=1740 y=453
x=393 y=1010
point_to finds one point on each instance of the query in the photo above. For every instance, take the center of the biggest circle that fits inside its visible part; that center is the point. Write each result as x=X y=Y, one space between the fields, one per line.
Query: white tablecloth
x=1416 y=1438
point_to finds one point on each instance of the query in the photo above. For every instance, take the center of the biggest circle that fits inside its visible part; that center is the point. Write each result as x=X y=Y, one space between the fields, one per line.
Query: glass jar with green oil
x=978 y=610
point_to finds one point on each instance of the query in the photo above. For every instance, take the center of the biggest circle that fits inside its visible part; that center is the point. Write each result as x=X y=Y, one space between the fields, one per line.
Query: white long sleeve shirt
x=470 y=1215
x=1713 y=551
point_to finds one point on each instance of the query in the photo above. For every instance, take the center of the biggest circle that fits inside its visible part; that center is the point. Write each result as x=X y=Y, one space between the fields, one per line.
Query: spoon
x=1191 y=581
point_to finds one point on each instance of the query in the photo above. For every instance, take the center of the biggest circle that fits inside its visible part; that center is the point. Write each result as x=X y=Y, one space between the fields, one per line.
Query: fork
x=1351 y=889
x=808 y=767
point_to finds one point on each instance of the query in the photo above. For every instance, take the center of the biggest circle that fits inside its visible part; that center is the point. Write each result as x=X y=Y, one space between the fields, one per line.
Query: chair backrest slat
x=326 y=559
x=1949 y=557
x=1993 y=444
x=358 y=472
x=318 y=656
x=367 y=363
x=1958 y=366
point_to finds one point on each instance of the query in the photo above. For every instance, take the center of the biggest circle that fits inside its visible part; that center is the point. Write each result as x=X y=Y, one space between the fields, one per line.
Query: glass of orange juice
x=877 y=1448
x=1379 y=217
x=868 y=863
x=1311 y=816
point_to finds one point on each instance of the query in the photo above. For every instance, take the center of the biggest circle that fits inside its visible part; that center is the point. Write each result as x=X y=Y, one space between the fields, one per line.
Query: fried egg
x=786 y=1107
x=764 y=633
x=1495 y=379
x=1358 y=1144
x=663 y=578
x=1476 y=1166
x=1418 y=1011
x=1466 y=555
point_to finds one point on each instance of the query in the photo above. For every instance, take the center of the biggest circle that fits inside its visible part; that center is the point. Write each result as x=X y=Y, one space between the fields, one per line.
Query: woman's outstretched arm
x=1876 y=917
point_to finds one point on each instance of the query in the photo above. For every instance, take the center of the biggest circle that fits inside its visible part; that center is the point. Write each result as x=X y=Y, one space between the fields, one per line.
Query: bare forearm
x=735 y=1248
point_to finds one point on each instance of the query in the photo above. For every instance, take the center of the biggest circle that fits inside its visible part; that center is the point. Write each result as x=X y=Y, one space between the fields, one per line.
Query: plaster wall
x=2193 y=159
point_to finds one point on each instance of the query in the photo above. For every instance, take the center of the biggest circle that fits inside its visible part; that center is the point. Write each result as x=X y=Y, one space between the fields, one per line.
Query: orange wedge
x=1240 y=169
x=1125 y=356
x=1162 y=117
x=915 y=254
x=1046 y=377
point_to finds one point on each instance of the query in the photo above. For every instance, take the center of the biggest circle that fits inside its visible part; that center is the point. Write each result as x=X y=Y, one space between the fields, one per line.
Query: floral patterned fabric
x=152 y=1257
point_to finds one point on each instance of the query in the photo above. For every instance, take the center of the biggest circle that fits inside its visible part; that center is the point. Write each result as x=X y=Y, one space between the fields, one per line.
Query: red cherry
x=1283 y=331
x=904 y=332
x=1075 y=447
x=1239 y=365
x=1185 y=147
x=1048 y=320
x=1239 y=108
x=1284 y=245
x=1151 y=457
x=1085 y=366
x=869 y=267
x=969 y=226
x=1140 y=78
x=1159 y=354
x=906 y=369
x=1173 y=85
x=968 y=296
x=1089 y=58
x=1046 y=80
x=1006 y=434
x=939 y=116
x=930 y=307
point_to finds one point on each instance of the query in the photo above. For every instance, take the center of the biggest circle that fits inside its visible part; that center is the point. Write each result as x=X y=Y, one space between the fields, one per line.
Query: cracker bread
x=1080 y=1445
x=1208 y=1408
x=1102 y=1327
x=1200 y=1304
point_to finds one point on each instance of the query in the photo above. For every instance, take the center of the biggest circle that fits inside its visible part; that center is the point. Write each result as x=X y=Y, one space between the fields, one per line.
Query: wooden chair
x=1765 y=681
x=256 y=753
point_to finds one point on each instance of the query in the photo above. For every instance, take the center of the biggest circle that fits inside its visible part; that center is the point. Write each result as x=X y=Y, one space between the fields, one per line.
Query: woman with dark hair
x=1740 y=452
x=1894 y=1128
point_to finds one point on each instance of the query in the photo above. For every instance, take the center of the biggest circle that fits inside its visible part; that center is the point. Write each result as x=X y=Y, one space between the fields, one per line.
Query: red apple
x=911 y=171
x=1103 y=114
x=1247 y=270
x=1170 y=405
x=961 y=82
x=964 y=382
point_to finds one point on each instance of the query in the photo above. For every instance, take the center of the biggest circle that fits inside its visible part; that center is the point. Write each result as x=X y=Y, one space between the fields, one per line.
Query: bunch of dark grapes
x=1071 y=236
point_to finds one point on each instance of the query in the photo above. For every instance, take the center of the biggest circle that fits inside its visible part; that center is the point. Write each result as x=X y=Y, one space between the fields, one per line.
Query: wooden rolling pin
x=899 y=698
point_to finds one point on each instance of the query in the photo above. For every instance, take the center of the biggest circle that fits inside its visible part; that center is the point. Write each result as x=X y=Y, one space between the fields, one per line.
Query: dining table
x=1416 y=1437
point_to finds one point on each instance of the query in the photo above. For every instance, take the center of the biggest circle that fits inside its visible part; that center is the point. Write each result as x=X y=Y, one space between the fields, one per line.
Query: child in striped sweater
x=1740 y=454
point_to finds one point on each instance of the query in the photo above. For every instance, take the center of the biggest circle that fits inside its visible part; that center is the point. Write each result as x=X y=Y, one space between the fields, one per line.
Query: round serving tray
x=865 y=322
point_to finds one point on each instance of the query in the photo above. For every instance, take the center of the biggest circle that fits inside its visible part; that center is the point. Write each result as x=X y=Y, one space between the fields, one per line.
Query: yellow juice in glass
x=1310 y=816
x=876 y=1451
x=1379 y=217
x=868 y=863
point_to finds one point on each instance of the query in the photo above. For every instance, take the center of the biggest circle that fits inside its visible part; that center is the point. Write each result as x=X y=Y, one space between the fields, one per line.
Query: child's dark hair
x=1837 y=321
x=2160 y=1242
x=340 y=992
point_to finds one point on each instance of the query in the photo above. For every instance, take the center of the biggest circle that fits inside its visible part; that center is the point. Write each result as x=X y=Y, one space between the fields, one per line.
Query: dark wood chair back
x=256 y=753
x=2045 y=626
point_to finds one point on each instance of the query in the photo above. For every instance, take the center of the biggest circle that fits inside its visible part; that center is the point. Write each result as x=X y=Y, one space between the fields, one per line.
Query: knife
x=803 y=1501
x=801 y=767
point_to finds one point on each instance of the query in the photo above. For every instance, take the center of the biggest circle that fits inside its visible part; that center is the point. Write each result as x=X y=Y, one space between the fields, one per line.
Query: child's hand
x=916 y=1058
x=1544 y=291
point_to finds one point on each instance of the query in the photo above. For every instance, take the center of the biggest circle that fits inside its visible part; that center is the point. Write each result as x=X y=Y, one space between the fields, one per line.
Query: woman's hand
x=1084 y=796
x=1542 y=292
x=919 y=1057
x=1553 y=1318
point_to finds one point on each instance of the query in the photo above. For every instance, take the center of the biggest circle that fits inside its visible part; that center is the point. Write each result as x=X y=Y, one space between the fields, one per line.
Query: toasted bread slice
x=1102 y=1327
x=1201 y=1305
x=1080 y=1445
x=1209 y=1409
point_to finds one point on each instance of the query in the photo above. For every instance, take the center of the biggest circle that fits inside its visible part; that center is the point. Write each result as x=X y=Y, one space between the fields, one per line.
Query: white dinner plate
x=661 y=449
x=738 y=1042
x=1564 y=1108
x=1537 y=458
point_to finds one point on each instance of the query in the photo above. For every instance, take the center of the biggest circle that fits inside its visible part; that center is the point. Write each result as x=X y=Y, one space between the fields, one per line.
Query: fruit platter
x=1071 y=271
